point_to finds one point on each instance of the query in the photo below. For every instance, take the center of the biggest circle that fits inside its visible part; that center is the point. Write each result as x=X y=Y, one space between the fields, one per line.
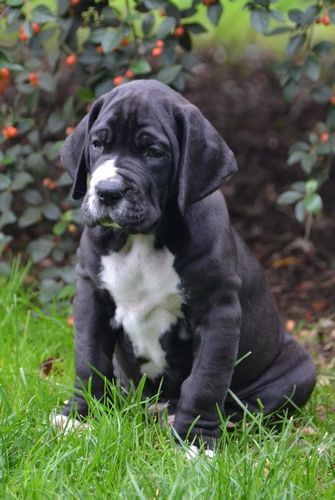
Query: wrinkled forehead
x=139 y=108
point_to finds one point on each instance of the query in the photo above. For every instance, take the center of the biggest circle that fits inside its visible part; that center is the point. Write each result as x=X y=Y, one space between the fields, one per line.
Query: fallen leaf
x=285 y=262
x=47 y=365
x=320 y=305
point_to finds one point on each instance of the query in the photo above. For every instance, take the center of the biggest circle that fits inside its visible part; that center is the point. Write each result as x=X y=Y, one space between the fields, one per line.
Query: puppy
x=166 y=288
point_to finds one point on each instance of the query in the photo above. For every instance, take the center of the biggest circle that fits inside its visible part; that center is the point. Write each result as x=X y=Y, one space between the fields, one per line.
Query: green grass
x=125 y=454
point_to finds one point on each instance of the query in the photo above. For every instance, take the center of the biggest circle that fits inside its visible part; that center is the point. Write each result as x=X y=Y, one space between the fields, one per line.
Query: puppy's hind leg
x=285 y=385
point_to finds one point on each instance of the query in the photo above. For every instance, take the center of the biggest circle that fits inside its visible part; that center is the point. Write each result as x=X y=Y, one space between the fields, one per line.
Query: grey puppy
x=165 y=286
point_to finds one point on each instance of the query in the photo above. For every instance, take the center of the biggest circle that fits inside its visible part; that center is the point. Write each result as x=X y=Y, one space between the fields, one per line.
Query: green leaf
x=330 y=120
x=111 y=40
x=299 y=211
x=55 y=122
x=29 y=217
x=296 y=157
x=14 y=3
x=140 y=67
x=7 y=217
x=33 y=197
x=280 y=30
x=46 y=82
x=260 y=21
x=310 y=15
x=5 y=181
x=195 y=28
x=311 y=186
x=51 y=211
x=40 y=248
x=214 y=13
x=62 y=6
x=299 y=186
x=313 y=204
x=85 y=94
x=154 y=4
x=312 y=68
x=322 y=47
x=321 y=93
x=60 y=227
x=289 y=197
x=21 y=180
x=295 y=15
x=147 y=24
x=168 y=74
x=299 y=146
x=308 y=162
x=166 y=27
x=295 y=43
x=42 y=14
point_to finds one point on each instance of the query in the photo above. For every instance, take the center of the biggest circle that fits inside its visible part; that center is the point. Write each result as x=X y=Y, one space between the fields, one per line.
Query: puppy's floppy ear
x=205 y=160
x=74 y=154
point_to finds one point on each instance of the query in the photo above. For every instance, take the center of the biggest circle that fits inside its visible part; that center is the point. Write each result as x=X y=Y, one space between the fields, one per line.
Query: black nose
x=110 y=191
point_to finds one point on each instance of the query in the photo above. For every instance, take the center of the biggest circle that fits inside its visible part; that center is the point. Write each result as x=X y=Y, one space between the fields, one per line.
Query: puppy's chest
x=146 y=290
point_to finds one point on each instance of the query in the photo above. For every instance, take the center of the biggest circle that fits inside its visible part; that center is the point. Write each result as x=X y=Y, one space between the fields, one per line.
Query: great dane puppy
x=165 y=286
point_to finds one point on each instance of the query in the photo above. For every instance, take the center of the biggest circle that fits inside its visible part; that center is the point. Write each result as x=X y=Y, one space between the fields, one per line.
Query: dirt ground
x=246 y=106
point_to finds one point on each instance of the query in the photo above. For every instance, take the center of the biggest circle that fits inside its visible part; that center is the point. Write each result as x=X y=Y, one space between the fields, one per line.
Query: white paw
x=64 y=424
x=193 y=451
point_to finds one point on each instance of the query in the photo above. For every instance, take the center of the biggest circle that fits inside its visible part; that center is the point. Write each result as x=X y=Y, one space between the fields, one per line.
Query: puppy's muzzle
x=109 y=192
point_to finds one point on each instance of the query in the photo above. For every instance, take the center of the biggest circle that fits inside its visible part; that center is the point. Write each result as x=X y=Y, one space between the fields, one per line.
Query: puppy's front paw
x=65 y=424
x=193 y=452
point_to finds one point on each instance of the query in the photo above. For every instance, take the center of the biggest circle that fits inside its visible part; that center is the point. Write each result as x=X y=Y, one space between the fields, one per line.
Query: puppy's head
x=141 y=144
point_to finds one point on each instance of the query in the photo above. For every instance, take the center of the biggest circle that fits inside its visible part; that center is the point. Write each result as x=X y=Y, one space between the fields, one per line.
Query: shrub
x=55 y=61
x=309 y=65
x=58 y=56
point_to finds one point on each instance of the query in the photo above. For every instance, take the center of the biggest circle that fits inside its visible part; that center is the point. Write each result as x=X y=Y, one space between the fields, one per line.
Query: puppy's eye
x=97 y=144
x=154 y=151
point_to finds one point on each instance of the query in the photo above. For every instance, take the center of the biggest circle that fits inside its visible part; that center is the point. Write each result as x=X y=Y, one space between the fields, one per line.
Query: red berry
x=69 y=130
x=156 y=51
x=71 y=60
x=129 y=73
x=117 y=80
x=33 y=79
x=4 y=73
x=208 y=2
x=124 y=42
x=99 y=49
x=160 y=43
x=35 y=27
x=49 y=183
x=324 y=137
x=179 y=31
x=325 y=20
x=73 y=3
x=23 y=37
x=9 y=131
x=332 y=100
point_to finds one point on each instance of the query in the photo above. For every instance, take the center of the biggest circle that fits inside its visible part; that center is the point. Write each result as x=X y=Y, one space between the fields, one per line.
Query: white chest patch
x=146 y=290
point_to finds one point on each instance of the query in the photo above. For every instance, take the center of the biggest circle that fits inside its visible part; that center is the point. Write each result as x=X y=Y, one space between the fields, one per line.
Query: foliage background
x=56 y=57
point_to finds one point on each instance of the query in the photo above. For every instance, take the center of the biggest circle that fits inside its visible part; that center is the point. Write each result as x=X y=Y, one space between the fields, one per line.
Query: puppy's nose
x=109 y=192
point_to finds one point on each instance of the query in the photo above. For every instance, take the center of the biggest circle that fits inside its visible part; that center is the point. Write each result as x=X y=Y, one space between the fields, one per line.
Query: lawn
x=124 y=453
